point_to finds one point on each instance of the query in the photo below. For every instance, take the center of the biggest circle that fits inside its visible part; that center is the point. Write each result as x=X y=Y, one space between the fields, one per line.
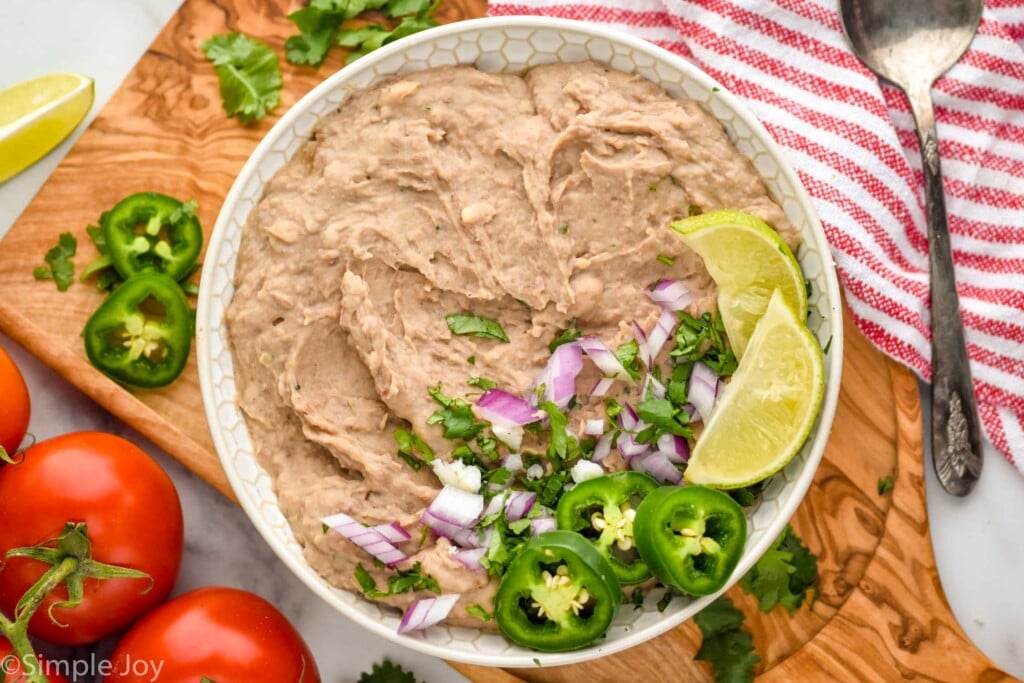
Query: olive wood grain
x=881 y=615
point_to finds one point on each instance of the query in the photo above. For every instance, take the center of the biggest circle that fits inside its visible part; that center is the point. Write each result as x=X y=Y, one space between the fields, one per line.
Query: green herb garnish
x=59 y=267
x=885 y=484
x=479 y=612
x=726 y=646
x=402 y=581
x=387 y=671
x=475 y=326
x=783 y=575
x=455 y=416
x=249 y=75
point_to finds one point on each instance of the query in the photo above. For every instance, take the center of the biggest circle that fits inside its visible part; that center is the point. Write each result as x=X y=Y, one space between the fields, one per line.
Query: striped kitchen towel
x=852 y=142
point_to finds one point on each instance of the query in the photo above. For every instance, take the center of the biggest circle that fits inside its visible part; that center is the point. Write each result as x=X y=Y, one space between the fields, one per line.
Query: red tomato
x=223 y=634
x=11 y=667
x=14 y=405
x=134 y=520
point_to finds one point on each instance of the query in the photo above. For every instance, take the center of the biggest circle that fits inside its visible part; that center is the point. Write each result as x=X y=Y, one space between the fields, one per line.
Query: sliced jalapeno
x=602 y=510
x=149 y=231
x=140 y=336
x=558 y=594
x=691 y=537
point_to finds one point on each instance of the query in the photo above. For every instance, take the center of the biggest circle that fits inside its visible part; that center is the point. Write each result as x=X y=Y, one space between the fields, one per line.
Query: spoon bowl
x=910 y=43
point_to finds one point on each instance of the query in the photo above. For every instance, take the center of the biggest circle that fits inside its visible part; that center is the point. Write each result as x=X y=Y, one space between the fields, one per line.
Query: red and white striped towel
x=852 y=142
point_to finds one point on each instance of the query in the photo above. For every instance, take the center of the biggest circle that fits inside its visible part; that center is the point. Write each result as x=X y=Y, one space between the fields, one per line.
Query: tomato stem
x=17 y=631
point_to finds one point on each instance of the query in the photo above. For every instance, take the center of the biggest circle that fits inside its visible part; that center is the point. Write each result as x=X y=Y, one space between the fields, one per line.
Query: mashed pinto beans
x=529 y=199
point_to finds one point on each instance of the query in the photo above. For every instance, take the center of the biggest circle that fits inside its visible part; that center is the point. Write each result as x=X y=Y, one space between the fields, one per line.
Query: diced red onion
x=393 y=532
x=502 y=408
x=593 y=427
x=629 y=446
x=691 y=412
x=510 y=436
x=603 y=447
x=471 y=557
x=367 y=538
x=540 y=525
x=658 y=466
x=641 y=340
x=519 y=503
x=675 y=448
x=628 y=419
x=459 y=507
x=459 y=535
x=702 y=389
x=604 y=358
x=671 y=295
x=427 y=612
x=652 y=387
x=602 y=387
x=661 y=333
x=559 y=375
x=495 y=504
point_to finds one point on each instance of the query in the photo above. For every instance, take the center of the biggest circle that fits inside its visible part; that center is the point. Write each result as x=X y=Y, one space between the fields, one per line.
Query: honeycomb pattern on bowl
x=507 y=44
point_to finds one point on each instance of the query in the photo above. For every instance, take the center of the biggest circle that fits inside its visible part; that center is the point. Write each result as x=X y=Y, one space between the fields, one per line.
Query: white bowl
x=504 y=44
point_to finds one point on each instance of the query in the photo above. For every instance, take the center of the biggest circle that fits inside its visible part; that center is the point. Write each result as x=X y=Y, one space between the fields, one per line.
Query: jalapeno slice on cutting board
x=602 y=509
x=558 y=594
x=140 y=336
x=149 y=231
x=691 y=537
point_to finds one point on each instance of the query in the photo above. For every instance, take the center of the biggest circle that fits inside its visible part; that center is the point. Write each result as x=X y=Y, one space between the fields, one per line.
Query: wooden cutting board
x=881 y=616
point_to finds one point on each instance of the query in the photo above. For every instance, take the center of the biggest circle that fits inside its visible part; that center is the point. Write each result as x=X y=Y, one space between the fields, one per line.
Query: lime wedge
x=748 y=261
x=35 y=116
x=766 y=411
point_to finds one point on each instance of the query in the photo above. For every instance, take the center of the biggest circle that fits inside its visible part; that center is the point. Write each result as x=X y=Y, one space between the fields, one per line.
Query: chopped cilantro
x=809 y=288
x=636 y=598
x=476 y=326
x=107 y=277
x=562 y=444
x=828 y=345
x=885 y=484
x=728 y=648
x=628 y=355
x=456 y=416
x=413 y=449
x=548 y=488
x=479 y=612
x=59 y=267
x=567 y=335
x=612 y=408
x=663 y=417
x=471 y=360
x=482 y=383
x=783 y=575
x=402 y=581
x=387 y=671
x=703 y=339
x=653 y=187
x=563 y=228
x=249 y=75
x=666 y=259
x=324 y=527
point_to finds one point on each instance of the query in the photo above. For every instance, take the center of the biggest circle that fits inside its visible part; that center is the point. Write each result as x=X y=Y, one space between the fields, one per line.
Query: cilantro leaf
x=567 y=335
x=387 y=671
x=413 y=449
x=249 y=74
x=455 y=416
x=628 y=355
x=661 y=414
x=562 y=444
x=783 y=575
x=107 y=276
x=481 y=383
x=476 y=326
x=479 y=612
x=728 y=649
x=401 y=8
x=703 y=339
x=402 y=581
x=59 y=267
x=885 y=484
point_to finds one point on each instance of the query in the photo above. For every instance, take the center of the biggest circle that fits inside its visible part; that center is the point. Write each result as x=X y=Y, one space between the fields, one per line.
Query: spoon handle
x=956 y=435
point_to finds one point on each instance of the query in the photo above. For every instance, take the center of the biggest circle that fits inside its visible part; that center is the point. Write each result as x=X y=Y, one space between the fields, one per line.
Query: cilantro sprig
x=387 y=671
x=475 y=326
x=783 y=575
x=320 y=27
x=703 y=339
x=726 y=646
x=59 y=266
x=249 y=75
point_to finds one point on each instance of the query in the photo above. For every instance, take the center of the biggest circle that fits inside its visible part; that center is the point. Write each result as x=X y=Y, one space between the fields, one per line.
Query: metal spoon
x=910 y=43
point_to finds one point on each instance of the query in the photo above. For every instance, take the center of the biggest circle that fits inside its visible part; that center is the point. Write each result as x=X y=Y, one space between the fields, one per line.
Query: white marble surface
x=980 y=558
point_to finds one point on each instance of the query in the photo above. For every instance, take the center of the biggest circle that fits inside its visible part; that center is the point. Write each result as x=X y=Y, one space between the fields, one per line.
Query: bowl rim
x=833 y=360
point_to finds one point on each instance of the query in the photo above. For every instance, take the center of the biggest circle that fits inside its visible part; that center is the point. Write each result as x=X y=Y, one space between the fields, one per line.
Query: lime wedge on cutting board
x=748 y=261
x=35 y=116
x=767 y=409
